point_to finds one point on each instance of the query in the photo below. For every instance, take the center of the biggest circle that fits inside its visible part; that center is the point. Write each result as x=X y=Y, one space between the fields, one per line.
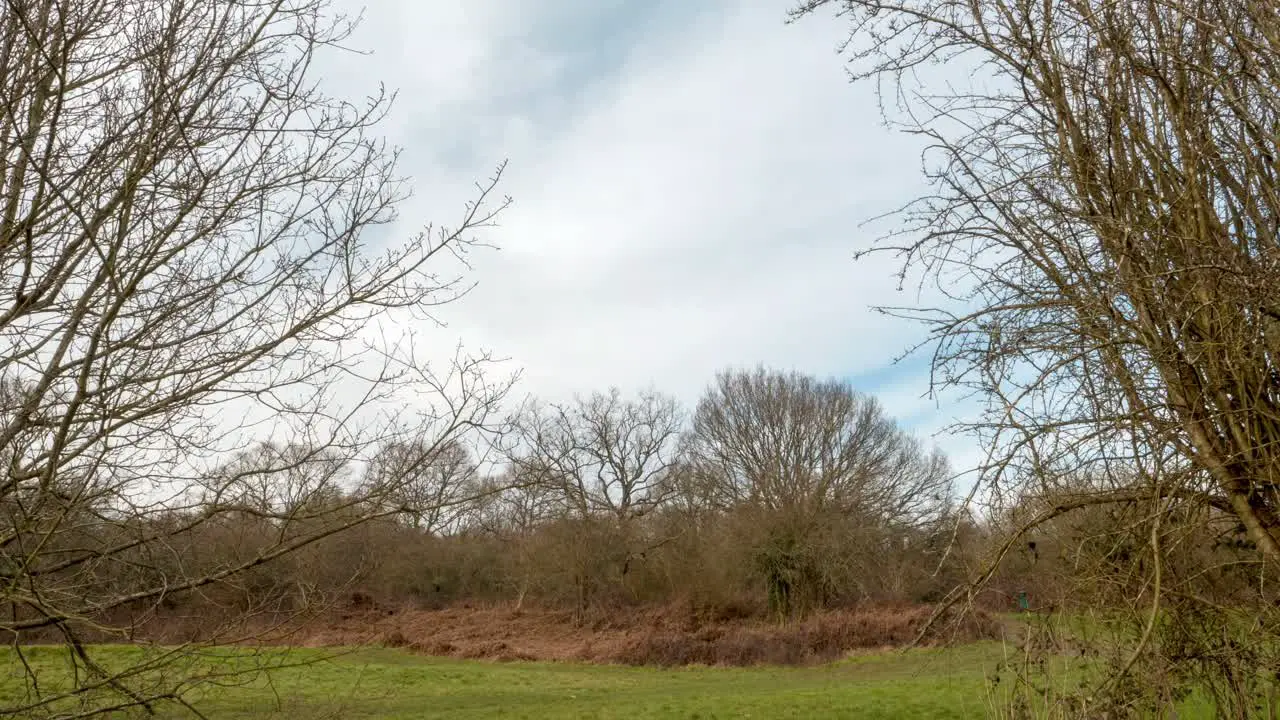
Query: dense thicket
x=780 y=494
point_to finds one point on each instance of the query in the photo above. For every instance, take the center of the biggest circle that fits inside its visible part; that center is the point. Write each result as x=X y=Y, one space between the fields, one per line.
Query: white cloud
x=685 y=202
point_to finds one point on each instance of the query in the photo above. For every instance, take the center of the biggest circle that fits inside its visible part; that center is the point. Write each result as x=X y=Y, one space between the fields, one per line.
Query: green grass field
x=384 y=683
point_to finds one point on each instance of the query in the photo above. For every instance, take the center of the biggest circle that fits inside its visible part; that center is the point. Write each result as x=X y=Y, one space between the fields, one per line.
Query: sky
x=690 y=182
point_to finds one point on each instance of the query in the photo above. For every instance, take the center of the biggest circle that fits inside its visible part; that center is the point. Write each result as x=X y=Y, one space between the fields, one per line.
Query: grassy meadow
x=391 y=684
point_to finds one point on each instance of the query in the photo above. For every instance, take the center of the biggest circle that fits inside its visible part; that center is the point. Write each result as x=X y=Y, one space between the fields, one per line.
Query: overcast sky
x=689 y=183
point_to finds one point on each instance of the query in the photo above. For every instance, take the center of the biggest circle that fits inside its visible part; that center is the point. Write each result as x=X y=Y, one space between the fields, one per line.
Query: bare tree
x=186 y=268
x=430 y=485
x=272 y=479
x=790 y=442
x=1105 y=211
x=808 y=463
x=608 y=462
x=603 y=453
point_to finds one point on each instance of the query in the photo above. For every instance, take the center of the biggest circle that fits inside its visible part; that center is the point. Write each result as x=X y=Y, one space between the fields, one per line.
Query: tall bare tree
x=1105 y=211
x=790 y=442
x=603 y=453
x=186 y=268
x=809 y=462
x=426 y=482
x=608 y=462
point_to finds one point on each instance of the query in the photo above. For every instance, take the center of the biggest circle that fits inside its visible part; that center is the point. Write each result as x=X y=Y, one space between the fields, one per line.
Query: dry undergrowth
x=645 y=637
